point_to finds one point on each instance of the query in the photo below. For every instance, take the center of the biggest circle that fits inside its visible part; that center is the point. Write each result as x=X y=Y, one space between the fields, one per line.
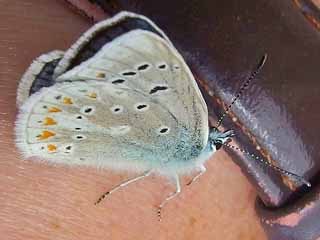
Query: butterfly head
x=217 y=138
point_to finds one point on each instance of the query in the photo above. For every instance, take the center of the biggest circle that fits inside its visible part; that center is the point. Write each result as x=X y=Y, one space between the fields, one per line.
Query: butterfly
x=134 y=105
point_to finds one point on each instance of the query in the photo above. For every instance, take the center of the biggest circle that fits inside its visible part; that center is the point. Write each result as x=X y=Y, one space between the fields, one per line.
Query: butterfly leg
x=171 y=196
x=202 y=170
x=145 y=174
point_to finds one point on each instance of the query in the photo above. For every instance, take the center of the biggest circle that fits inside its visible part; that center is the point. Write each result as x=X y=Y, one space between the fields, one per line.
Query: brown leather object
x=222 y=42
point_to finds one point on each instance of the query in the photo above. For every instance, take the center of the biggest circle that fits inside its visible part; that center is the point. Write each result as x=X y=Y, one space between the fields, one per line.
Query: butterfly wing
x=135 y=104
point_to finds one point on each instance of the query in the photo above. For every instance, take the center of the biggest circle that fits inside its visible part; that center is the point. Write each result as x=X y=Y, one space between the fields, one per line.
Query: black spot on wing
x=118 y=81
x=141 y=106
x=158 y=88
x=129 y=73
x=164 y=130
x=162 y=66
x=143 y=67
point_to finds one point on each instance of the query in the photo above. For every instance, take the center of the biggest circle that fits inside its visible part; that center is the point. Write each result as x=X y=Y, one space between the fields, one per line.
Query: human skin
x=42 y=201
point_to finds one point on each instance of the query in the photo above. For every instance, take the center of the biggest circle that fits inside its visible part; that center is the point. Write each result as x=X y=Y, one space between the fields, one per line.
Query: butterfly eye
x=217 y=144
x=117 y=109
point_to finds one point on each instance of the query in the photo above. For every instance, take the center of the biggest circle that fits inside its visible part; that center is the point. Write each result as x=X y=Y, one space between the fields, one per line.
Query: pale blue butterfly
x=134 y=105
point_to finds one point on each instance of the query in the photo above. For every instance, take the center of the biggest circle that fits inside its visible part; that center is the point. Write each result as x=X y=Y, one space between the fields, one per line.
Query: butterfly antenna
x=242 y=88
x=261 y=160
x=278 y=169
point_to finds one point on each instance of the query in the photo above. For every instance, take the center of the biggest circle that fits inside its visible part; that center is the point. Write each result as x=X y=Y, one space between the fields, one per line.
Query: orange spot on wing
x=45 y=134
x=92 y=95
x=51 y=147
x=49 y=121
x=67 y=100
x=101 y=75
x=54 y=109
